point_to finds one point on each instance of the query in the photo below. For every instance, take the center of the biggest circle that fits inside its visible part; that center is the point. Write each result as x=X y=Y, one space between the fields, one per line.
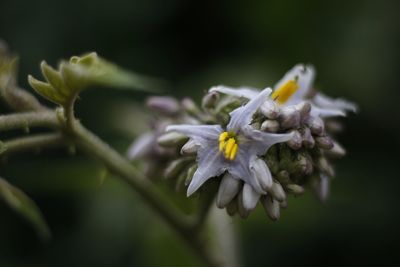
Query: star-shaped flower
x=234 y=150
x=293 y=89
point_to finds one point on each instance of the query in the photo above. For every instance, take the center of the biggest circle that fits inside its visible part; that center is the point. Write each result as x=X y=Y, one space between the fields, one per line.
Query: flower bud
x=141 y=147
x=261 y=171
x=210 y=100
x=324 y=142
x=307 y=139
x=302 y=165
x=289 y=117
x=325 y=167
x=316 y=125
x=277 y=192
x=189 y=175
x=295 y=189
x=190 y=107
x=283 y=177
x=336 y=151
x=270 y=126
x=249 y=197
x=271 y=207
x=304 y=109
x=232 y=207
x=243 y=213
x=270 y=109
x=189 y=149
x=165 y=105
x=180 y=182
x=227 y=190
x=296 y=141
x=175 y=167
x=169 y=139
x=283 y=204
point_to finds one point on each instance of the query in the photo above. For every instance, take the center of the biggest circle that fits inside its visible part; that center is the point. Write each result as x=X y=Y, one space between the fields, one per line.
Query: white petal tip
x=189 y=193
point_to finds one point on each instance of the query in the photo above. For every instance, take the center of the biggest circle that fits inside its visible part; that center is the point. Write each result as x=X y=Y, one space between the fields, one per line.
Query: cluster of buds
x=260 y=146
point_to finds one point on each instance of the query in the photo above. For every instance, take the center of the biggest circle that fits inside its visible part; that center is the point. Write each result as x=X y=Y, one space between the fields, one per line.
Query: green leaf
x=48 y=91
x=96 y=70
x=82 y=72
x=22 y=204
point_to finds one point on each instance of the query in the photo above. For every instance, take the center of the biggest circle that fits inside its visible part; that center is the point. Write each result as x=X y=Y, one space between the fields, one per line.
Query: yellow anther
x=283 y=93
x=223 y=136
x=222 y=145
x=228 y=145
x=233 y=153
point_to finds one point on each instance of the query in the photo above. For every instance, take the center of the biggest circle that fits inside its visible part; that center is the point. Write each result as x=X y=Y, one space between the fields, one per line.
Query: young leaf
x=82 y=72
x=22 y=204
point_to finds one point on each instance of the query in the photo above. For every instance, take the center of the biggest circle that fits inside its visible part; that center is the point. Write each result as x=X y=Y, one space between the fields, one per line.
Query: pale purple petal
x=199 y=133
x=211 y=164
x=242 y=116
x=240 y=168
x=324 y=101
x=326 y=113
x=262 y=141
x=245 y=92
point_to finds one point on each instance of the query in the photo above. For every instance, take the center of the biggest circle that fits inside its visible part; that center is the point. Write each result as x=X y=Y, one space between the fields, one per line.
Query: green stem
x=124 y=169
x=26 y=120
x=87 y=141
x=35 y=142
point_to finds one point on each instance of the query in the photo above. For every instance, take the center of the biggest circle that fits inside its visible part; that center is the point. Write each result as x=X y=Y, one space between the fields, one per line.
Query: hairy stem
x=118 y=165
x=26 y=120
x=34 y=142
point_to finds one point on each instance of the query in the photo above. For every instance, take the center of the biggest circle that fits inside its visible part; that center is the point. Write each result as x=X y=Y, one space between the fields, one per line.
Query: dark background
x=194 y=45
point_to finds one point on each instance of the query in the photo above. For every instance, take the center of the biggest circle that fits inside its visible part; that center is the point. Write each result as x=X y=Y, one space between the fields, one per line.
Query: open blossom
x=294 y=88
x=244 y=156
x=234 y=150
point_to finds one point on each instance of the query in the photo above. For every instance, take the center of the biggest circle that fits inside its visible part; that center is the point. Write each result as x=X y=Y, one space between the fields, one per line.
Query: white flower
x=292 y=89
x=234 y=150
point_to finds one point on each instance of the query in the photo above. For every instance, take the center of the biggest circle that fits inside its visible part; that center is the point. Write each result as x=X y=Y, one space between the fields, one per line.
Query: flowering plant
x=242 y=147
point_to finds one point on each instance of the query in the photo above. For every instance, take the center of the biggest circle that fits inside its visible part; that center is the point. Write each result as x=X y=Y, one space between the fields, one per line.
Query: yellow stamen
x=283 y=93
x=233 y=153
x=222 y=145
x=223 y=136
x=228 y=145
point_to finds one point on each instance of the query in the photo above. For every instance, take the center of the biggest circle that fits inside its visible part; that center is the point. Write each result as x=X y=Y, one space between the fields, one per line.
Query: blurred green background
x=194 y=45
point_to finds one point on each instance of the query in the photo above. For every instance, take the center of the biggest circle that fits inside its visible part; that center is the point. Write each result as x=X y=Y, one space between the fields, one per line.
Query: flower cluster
x=260 y=145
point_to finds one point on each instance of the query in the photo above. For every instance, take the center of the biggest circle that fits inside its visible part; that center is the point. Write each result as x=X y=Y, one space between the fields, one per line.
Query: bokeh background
x=194 y=45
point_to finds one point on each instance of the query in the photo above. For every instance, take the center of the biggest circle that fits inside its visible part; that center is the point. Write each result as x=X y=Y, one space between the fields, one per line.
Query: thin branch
x=125 y=170
x=34 y=142
x=25 y=120
x=116 y=164
x=69 y=111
